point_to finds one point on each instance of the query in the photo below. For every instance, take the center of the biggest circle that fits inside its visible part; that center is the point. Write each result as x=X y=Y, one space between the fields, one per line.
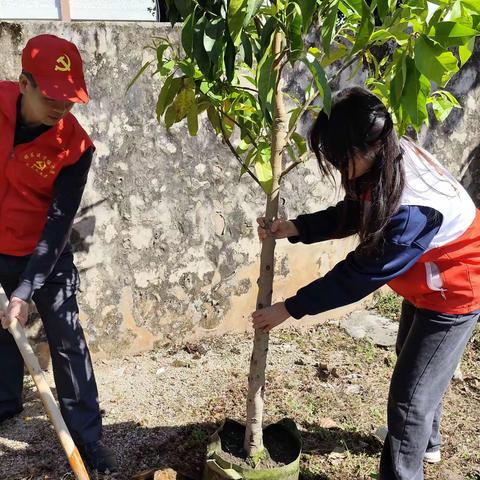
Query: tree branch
x=239 y=126
x=237 y=156
x=294 y=165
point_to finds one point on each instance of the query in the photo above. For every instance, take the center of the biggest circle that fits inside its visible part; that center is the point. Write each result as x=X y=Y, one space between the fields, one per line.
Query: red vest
x=28 y=172
x=446 y=278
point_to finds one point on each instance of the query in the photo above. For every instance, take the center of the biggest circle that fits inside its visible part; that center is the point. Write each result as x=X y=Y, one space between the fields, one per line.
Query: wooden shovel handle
x=48 y=401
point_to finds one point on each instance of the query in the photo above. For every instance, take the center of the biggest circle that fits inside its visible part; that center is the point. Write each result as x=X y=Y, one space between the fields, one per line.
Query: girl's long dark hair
x=359 y=124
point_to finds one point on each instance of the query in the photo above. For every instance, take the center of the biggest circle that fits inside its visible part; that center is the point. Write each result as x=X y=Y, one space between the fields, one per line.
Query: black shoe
x=99 y=457
x=7 y=415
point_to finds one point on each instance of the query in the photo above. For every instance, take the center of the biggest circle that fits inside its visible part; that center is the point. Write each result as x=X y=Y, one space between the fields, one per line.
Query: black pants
x=72 y=367
x=429 y=347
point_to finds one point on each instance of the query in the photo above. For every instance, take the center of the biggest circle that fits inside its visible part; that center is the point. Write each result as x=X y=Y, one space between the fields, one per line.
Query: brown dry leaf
x=165 y=474
x=327 y=423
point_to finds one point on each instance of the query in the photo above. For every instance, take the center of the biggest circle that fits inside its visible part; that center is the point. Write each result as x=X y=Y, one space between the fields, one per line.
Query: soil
x=281 y=447
x=160 y=408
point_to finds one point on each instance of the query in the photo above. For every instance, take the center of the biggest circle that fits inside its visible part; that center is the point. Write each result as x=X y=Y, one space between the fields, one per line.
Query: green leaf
x=450 y=34
x=434 y=61
x=214 y=118
x=192 y=119
x=441 y=107
x=307 y=7
x=162 y=96
x=201 y=56
x=168 y=92
x=266 y=79
x=237 y=11
x=300 y=143
x=252 y=9
x=465 y=51
x=248 y=160
x=247 y=50
x=472 y=5
x=320 y=81
x=383 y=9
x=187 y=35
x=263 y=168
x=214 y=37
x=294 y=117
x=415 y=93
x=339 y=52
x=266 y=38
x=229 y=59
x=398 y=81
x=183 y=102
x=188 y=68
x=160 y=51
x=328 y=26
x=294 y=37
x=367 y=25
x=135 y=78
x=443 y=102
x=172 y=13
x=184 y=7
x=355 y=5
x=170 y=116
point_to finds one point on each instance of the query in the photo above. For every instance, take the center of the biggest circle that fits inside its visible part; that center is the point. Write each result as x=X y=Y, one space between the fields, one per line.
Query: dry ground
x=160 y=407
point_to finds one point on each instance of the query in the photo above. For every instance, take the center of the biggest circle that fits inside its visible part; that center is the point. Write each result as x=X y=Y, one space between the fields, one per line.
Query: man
x=45 y=156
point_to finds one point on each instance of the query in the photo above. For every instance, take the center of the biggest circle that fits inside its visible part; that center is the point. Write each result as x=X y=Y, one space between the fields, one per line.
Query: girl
x=420 y=233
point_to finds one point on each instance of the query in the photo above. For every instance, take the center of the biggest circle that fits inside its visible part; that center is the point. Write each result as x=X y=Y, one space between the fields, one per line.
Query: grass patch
x=388 y=304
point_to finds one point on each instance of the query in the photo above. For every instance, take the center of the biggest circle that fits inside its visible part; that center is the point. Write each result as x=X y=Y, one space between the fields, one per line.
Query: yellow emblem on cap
x=63 y=64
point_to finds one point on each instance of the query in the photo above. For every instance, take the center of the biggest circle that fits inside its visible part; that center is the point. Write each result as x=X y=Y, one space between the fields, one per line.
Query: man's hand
x=269 y=317
x=18 y=309
x=277 y=229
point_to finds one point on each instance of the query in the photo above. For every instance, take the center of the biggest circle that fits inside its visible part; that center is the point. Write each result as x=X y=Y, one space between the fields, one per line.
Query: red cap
x=56 y=67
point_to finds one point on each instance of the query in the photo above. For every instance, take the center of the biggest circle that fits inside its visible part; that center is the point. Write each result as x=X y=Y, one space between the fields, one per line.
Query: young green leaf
x=415 y=93
x=294 y=36
x=247 y=49
x=434 y=61
x=266 y=79
x=307 y=7
x=328 y=26
x=187 y=35
x=135 y=78
x=466 y=51
x=237 y=11
x=263 y=168
x=320 y=81
x=201 y=56
x=367 y=24
x=168 y=92
x=184 y=7
x=450 y=34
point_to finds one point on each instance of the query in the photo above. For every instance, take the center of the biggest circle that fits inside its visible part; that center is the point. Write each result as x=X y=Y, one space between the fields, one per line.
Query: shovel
x=48 y=400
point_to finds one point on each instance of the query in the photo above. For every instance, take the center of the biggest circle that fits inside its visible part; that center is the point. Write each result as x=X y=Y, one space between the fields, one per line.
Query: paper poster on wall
x=30 y=9
x=128 y=10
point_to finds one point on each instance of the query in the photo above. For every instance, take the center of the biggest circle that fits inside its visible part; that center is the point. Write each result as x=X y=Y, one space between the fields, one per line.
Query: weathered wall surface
x=166 y=238
x=456 y=141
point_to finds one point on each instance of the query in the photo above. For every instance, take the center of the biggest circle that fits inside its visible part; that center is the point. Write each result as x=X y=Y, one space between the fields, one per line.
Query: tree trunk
x=253 y=443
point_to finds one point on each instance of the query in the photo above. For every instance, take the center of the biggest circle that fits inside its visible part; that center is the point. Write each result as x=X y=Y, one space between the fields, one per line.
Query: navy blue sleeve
x=68 y=191
x=406 y=238
x=339 y=221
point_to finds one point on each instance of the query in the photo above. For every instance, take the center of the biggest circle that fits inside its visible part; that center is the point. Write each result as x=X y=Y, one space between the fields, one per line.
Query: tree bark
x=253 y=443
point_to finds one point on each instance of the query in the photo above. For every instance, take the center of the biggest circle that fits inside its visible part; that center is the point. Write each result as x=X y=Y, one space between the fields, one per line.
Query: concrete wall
x=456 y=141
x=166 y=237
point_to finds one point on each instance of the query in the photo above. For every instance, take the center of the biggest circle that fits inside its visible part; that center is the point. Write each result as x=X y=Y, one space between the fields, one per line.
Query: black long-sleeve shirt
x=68 y=190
